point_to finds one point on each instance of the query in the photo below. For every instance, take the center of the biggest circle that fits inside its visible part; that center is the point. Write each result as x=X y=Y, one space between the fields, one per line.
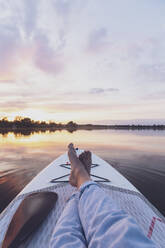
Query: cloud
x=159 y=95
x=102 y=90
x=15 y=33
x=72 y=107
x=9 y=47
x=66 y=9
x=97 y=40
x=23 y=43
x=6 y=81
x=85 y=107
x=151 y=72
x=30 y=16
x=63 y=7
x=74 y=51
x=45 y=57
x=13 y=105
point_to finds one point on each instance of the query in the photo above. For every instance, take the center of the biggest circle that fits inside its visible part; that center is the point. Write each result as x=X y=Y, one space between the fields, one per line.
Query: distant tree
x=43 y=124
x=4 y=123
x=4 y=118
x=26 y=122
x=18 y=118
x=71 y=124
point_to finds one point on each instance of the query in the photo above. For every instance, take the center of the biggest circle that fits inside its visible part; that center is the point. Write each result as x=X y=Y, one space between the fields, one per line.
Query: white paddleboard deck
x=55 y=178
x=58 y=171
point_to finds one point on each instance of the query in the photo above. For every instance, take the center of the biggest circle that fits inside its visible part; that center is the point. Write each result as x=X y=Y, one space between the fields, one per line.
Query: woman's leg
x=68 y=232
x=104 y=224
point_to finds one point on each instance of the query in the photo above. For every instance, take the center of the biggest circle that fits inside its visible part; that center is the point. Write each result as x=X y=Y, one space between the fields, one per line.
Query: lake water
x=138 y=155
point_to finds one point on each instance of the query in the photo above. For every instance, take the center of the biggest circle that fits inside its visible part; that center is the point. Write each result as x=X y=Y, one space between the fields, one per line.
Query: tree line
x=27 y=123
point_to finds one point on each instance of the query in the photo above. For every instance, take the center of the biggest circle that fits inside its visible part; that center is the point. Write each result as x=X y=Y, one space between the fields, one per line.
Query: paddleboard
x=55 y=178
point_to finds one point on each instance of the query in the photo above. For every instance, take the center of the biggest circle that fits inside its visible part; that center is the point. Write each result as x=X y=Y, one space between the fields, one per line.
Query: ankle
x=82 y=176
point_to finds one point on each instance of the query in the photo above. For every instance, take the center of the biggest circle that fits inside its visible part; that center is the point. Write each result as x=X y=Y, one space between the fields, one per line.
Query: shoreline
x=30 y=130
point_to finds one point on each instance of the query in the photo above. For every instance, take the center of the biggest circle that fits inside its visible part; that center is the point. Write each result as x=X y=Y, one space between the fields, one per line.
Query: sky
x=86 y=61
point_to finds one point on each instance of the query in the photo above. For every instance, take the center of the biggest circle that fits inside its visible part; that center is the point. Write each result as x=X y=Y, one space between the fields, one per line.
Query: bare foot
x=79 y=174
x=85 y=158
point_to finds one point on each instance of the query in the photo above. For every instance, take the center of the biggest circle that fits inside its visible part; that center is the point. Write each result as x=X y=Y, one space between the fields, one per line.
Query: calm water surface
x=138 y=155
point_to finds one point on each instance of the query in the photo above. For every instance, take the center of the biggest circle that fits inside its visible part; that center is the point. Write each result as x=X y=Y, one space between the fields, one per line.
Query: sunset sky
x=90 y=61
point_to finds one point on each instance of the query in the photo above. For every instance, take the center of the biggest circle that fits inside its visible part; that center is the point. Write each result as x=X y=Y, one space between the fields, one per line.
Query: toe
x=88 y=155
x=81 y=157
x=71 y=146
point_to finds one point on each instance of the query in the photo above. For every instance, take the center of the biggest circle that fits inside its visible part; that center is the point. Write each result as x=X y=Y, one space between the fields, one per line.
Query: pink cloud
x=45 y=57
x=9 y=46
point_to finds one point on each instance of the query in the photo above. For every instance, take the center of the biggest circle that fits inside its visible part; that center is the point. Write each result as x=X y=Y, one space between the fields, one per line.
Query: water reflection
x=29 y=132
x=139 y=155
